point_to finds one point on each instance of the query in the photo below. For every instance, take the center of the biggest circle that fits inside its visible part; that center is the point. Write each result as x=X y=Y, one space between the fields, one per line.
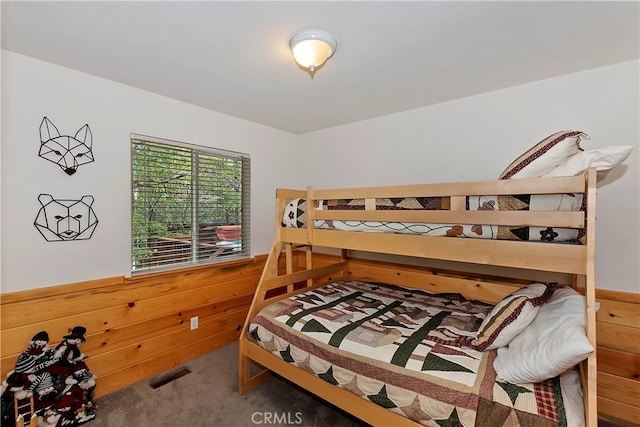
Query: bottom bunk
x=398 y=355
x=412 y=353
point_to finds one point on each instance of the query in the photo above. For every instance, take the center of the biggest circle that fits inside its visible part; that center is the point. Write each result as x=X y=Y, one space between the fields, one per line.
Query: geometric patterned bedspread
x=406 y=350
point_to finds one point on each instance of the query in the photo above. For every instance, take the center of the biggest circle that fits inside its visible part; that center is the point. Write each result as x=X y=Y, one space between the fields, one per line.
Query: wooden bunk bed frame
x=282 y=278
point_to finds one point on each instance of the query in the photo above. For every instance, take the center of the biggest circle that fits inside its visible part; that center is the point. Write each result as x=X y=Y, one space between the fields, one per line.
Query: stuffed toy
x=58 y=379
x=67 y=353
x=49 y=418
x=68 y=402
x=85 y=379
x=86 y=413
x=36 y=357
x=42 y=384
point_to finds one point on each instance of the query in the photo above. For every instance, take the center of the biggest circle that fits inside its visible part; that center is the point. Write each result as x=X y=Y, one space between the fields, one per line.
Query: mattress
x=295 y=216
x=407 y=350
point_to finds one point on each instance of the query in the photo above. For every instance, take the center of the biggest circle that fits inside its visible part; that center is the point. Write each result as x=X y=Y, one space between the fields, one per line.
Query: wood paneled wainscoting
x=618 y=336
x=138 y=326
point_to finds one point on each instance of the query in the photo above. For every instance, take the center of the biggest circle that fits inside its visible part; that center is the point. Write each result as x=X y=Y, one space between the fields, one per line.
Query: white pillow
x=510 y=316
x=603 y=159
x=554 y=342
x=572 y=397
x=545 y=155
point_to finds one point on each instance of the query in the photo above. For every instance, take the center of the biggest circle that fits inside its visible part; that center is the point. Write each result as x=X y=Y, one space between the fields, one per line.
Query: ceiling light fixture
x=312 y=48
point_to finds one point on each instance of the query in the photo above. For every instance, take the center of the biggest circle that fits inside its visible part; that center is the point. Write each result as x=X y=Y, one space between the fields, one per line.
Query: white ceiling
x=233 y=57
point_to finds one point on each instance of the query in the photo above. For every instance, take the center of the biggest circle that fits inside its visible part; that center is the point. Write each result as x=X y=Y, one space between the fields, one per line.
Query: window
x=190 y=204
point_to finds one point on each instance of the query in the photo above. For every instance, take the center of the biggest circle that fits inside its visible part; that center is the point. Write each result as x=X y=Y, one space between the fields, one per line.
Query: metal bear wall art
x=61 y=220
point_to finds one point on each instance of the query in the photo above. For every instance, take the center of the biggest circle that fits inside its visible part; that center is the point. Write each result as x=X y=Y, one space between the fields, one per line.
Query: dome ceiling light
x=312 y=48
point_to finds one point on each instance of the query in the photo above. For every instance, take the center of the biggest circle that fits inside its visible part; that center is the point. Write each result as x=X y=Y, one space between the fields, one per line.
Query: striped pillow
x=545 y=155
x=511 y=315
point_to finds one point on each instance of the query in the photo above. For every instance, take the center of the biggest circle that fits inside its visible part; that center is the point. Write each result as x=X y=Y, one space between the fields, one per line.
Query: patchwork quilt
x=295 y=216
x=405 y=350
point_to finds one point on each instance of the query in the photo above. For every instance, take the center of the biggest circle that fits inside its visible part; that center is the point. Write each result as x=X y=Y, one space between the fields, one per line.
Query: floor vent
x=167 y=378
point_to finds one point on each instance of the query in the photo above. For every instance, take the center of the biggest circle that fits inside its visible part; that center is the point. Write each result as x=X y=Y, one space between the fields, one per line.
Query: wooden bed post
x=589 y=367
x=310 y=211
x=308 y=251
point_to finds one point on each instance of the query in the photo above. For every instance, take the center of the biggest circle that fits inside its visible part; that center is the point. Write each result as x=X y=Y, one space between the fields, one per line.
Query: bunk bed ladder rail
x=586 y=283
x=284 y=285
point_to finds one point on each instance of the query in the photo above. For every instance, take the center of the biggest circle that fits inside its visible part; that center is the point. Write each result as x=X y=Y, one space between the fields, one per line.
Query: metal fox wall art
x=68 y=152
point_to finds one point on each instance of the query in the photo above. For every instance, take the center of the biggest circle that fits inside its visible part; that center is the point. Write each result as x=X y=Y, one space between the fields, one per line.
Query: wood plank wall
x=136 y=327
x=618 y=336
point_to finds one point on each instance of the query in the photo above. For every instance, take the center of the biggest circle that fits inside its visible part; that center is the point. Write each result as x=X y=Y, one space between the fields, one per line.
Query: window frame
x=244 y=252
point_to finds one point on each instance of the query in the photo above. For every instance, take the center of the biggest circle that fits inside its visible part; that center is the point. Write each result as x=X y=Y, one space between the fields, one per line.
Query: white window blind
x=190 y=204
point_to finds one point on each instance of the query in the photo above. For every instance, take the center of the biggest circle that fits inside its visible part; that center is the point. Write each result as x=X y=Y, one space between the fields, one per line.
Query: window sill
x=158 y=272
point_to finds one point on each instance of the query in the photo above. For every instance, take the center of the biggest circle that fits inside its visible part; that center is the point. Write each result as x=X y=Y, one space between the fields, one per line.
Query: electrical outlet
x=194 y=323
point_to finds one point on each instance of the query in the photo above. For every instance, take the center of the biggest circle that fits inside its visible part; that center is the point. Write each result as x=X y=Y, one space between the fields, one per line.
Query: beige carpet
x=207 y=396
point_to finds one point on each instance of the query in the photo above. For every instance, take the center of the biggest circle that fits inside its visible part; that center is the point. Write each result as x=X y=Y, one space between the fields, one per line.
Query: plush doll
x=33 y=359
x=86 y=413
x=67 y=353
x=43 y=387
x=69 y=402
x=85 y=379
x=50 y=418
x=42 y=383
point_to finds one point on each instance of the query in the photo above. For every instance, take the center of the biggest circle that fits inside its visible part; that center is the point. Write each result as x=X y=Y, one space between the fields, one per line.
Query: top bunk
x=545 y=224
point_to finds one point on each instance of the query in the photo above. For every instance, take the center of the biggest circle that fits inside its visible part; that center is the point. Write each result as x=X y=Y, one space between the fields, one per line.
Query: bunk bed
x=338 y=363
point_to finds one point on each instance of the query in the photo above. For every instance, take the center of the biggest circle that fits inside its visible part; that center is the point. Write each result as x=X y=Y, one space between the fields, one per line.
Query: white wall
x=475 y=138
x=467 y=139
x=32 y=89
